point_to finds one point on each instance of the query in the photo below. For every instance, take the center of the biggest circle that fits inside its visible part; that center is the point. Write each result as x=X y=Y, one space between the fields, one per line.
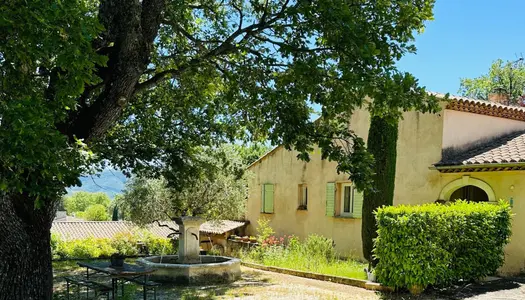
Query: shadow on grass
x=247 y=286
x=466 y=290
x=250 y=283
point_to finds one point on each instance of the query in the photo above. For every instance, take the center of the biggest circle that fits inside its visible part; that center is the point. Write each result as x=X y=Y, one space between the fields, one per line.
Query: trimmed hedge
x=125 y=244
x=436 y=244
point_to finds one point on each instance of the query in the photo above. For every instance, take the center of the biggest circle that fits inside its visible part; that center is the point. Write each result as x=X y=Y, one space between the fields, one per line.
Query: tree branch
x=175 y=231
x=225 y=47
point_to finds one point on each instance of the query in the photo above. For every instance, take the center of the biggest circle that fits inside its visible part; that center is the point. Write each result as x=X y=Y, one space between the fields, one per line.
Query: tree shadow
x=243 y=287
x=465 y=290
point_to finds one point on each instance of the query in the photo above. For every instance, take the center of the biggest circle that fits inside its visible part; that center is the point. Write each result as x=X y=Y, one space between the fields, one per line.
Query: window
x=303 y=197
x=350 y=201
x=267 y=198
x=347 y=199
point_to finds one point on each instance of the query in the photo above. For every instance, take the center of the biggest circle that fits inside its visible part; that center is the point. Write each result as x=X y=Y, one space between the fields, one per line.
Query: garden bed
x=315 y=254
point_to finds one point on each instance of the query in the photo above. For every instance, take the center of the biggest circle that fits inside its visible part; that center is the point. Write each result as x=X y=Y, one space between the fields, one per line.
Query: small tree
x=80 y=201
x=96 y=212
x=114 y=216
x=386 y=110
x=503 y=77
x=217 y=190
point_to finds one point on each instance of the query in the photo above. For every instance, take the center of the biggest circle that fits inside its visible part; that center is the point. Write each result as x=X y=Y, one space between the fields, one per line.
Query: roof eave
x=491 y=167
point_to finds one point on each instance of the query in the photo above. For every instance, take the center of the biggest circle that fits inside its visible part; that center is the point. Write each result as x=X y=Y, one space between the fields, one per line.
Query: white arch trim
x=452 y=186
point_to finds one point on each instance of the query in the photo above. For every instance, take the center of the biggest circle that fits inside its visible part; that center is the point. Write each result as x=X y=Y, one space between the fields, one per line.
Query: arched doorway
x=468 y=188
x=470 y=193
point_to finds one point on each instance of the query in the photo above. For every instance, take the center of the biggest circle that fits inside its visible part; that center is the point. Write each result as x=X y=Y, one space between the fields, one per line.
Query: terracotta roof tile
x=506 y=149
x=108 y=229
x=483 y=107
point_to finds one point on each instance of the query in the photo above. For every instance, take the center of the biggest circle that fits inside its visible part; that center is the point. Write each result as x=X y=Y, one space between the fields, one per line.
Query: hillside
x=110 y=181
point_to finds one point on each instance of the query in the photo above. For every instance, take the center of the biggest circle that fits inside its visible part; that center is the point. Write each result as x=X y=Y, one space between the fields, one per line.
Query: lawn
x=315 y=254
x=337 y=267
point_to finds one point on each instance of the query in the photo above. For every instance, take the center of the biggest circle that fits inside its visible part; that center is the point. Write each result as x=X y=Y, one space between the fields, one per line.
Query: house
x=211 y=232
x=471 y=150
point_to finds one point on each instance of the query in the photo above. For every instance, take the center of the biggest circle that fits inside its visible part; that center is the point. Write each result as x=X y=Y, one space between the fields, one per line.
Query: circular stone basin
x=212 y=269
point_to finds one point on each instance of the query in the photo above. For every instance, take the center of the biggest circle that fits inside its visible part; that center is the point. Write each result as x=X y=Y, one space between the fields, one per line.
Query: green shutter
x=357 y=210
x=267 y=205
x=262 y=198
x=330 y=199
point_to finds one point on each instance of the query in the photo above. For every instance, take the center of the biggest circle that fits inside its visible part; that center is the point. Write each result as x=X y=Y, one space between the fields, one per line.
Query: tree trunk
x=25 y=253
x=382 y=144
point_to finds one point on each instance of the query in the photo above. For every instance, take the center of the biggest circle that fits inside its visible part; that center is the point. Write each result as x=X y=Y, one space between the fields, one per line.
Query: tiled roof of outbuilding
x=108 y=229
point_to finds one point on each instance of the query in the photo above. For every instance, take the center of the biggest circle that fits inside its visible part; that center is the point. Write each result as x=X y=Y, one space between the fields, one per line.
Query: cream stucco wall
x=419 y=146
x=463 y=129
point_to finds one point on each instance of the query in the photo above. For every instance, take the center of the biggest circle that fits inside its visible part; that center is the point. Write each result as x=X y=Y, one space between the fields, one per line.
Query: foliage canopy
x=82 y=86
x=218 y=191
x=503 y=77
x=80 y=201
x=96 y=212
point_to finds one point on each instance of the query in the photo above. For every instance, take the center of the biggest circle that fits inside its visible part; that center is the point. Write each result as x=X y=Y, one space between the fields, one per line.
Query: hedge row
x=436 y=244
x=126 y=244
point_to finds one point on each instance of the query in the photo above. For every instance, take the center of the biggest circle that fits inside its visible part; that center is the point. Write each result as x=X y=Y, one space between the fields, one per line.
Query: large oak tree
x=140 y=83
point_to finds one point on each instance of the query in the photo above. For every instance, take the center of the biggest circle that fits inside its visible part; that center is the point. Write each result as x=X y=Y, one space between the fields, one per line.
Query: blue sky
x=463 y=40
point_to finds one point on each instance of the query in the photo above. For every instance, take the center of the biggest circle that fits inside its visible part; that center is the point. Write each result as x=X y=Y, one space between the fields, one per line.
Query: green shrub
x=315 y=254
x=264 y=230
x=85 y=248
x=96 y=212
x=435 y=244
x=55 y=239
x=125 y=244
x=160 y=246
x=319 y=246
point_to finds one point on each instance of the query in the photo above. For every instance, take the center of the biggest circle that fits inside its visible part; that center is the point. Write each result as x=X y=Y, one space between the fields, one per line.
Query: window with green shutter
x=357 y=210
x=267 y=198
x=330 y=199
x=351 y=201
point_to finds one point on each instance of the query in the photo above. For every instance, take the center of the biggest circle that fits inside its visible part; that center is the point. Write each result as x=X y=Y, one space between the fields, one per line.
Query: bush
x=435 y=244
x=86 y=248
x=315 y=254
x=125 y=244
x=80 y=201
x=160 y=246
x=96 y=212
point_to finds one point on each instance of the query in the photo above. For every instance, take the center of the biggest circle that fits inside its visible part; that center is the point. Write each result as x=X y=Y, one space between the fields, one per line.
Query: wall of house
x=421 y=140
x=415 y=182
x=462 y=129
x=506 y=185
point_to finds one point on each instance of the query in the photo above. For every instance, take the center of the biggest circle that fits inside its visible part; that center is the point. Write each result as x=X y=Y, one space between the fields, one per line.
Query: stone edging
x=374 y=286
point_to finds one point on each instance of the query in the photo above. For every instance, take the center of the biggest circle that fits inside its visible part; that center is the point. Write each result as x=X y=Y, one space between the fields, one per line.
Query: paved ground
x=256 y=284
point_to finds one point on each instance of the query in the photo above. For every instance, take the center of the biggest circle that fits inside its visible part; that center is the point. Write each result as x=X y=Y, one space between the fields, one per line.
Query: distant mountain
x=109 y=181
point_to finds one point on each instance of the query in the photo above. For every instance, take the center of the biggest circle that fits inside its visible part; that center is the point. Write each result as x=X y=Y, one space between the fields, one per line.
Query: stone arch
x=452 y=186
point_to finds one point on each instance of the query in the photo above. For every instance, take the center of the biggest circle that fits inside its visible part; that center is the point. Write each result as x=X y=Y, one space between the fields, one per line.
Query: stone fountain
x=189 y=267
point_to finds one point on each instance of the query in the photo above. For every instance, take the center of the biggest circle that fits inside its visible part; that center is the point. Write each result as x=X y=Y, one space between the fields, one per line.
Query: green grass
x=336 y=267
x=315 y=255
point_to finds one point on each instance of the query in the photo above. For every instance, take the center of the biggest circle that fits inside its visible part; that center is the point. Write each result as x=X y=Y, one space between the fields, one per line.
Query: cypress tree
x=382 y=144
x=115 y=213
